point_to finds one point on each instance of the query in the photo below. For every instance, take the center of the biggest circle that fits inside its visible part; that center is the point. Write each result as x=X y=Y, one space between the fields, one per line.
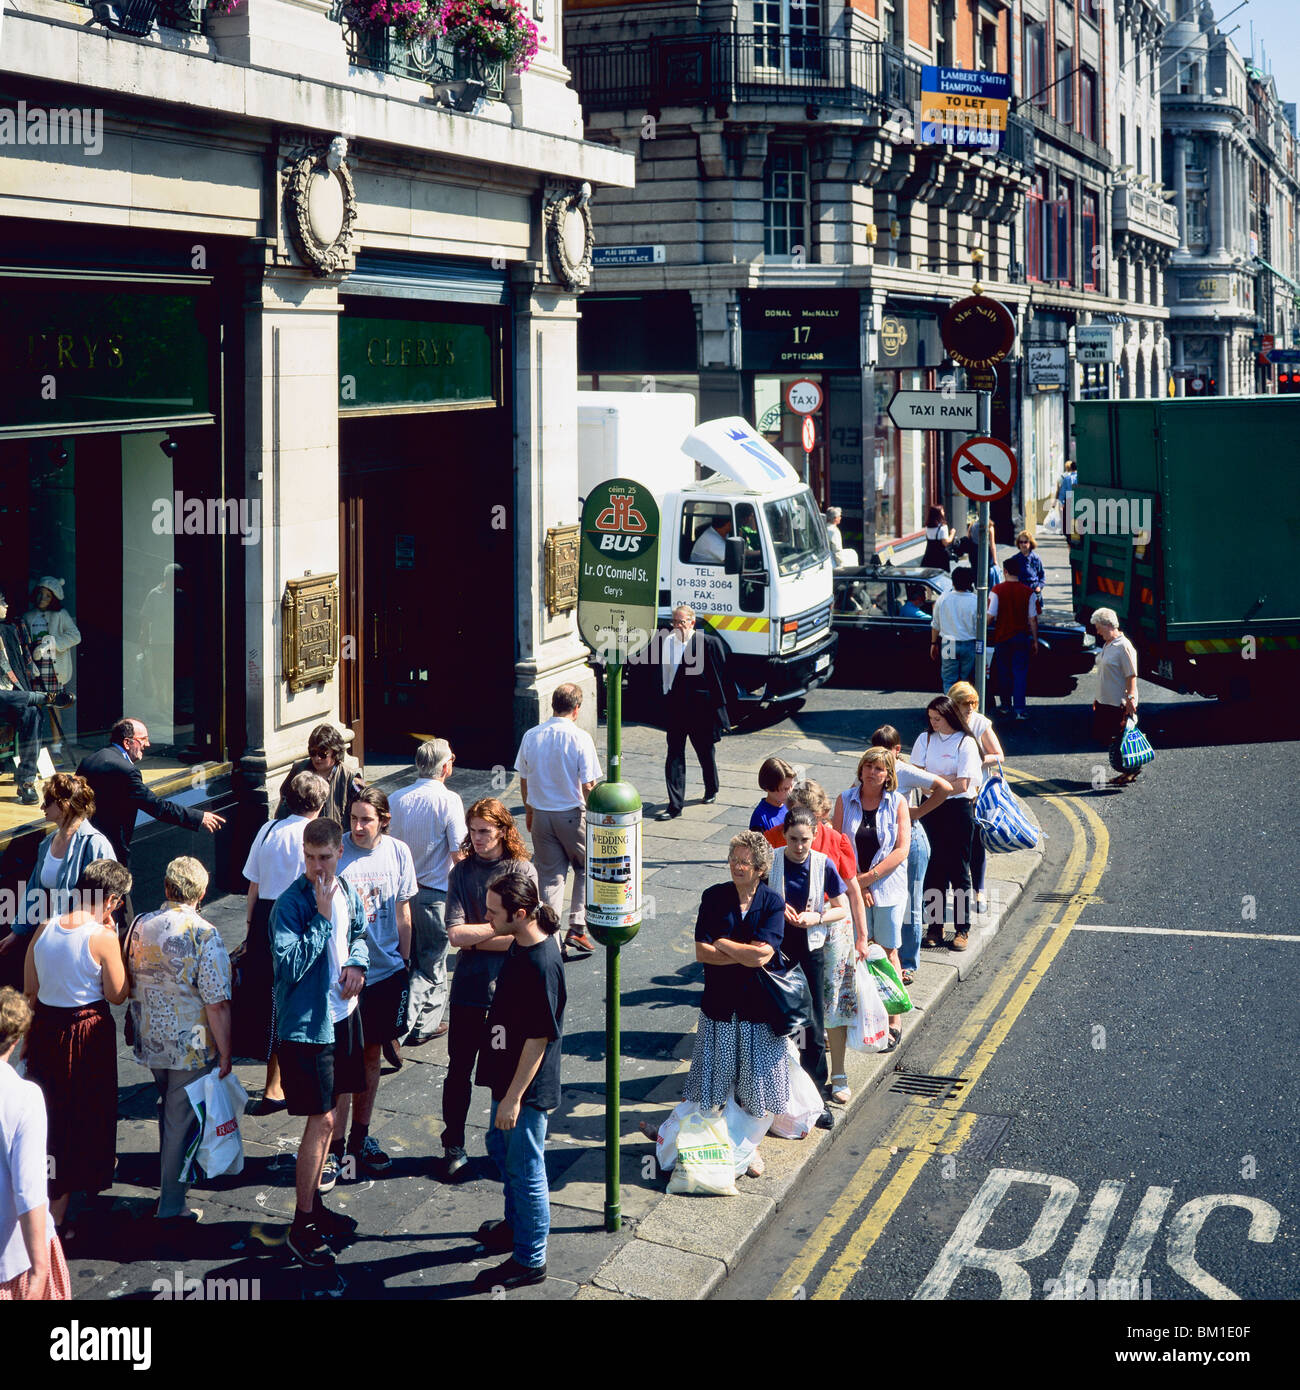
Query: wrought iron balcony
x=136 y=18
x=713 y=69
x=723 y=69
x=426 y=60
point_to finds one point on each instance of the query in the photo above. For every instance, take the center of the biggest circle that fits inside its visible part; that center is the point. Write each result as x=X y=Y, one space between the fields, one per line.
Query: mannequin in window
x=52 y=635
x=21 y=701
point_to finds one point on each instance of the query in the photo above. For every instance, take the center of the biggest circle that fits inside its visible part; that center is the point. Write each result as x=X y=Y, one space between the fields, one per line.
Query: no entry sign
x=984 y=468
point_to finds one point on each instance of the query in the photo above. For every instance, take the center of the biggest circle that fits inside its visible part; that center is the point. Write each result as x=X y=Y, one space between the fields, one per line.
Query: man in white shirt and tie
x=430 y=820
x=695 y=695
x=557 y=767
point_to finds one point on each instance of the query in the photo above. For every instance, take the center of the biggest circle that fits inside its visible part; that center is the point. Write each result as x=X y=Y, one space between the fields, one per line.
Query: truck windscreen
x=798 y=532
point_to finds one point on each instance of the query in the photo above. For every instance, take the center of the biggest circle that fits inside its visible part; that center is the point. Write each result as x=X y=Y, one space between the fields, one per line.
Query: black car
x=883 y=615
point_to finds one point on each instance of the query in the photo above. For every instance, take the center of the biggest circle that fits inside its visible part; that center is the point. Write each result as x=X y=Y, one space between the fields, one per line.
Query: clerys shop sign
x=413 y=363
x=85 y=355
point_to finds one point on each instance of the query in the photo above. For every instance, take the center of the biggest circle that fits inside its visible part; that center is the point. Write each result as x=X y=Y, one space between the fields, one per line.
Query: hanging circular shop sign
x=978 y=331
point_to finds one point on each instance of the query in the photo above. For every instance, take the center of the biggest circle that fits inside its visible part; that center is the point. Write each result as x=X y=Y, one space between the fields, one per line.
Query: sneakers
x=371 y=1157
x=333 y=1225
x=453 y=1160
x=307 y=1242
x=329 y=1175
x=496 y=1237
x=510 y=1275
x=579 y=945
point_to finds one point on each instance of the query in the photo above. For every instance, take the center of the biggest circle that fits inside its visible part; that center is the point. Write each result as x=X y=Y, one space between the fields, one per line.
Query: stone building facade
x=291 y=324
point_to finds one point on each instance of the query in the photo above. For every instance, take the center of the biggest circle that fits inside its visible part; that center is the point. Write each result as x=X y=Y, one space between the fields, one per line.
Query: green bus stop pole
x=613 y=1104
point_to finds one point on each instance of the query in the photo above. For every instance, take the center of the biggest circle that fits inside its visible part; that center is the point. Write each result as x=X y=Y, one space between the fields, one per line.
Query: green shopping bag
x=896 y=998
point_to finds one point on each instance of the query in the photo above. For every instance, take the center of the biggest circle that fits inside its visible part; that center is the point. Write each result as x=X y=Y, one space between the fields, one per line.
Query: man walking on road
x=1014 y=606
x=430 y=821
x=696 y=706
x=557 y=767
x=318 y=946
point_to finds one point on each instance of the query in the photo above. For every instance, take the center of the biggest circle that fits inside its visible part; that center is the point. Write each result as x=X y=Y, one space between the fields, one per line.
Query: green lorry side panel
x=1226 y=521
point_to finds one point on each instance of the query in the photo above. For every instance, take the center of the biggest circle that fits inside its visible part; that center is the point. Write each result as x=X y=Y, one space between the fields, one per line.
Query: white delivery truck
x=745 y=546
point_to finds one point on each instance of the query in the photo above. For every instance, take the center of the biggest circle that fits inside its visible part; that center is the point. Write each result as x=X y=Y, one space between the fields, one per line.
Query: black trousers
x=466 y=1035
x=22 y=709
x=951 y=827
x=699 y=729
x=812 y=1043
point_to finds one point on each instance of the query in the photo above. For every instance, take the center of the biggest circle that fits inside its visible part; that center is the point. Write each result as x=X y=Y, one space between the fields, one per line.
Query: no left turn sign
x=984 y=468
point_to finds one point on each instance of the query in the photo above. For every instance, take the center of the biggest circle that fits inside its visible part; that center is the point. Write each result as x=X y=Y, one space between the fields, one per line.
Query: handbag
x=128 y=1021
x=1001 y=819
x=786 y=998
x=1131 y=748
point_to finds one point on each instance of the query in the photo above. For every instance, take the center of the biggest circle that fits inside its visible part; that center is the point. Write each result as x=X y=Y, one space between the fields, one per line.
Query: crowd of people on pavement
x=355 y=900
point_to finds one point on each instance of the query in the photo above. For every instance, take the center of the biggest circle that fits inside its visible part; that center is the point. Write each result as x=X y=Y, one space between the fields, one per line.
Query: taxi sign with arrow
x=984 y=468
x=934 y=410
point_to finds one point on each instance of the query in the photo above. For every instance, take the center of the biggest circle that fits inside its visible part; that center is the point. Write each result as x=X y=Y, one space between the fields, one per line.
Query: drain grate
x=986 y=1134
x=933 y=1087
x=1066 y=898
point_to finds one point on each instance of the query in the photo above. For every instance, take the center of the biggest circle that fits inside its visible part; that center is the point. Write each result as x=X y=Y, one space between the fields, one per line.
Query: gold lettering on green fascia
x=74 y=351
x=370 y=351
x=410 y=352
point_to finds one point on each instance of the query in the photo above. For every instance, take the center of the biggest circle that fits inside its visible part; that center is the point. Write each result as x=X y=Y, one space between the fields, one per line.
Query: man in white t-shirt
x=952 y=631
x=382 y=871
x=430 y=821
x=558 y=766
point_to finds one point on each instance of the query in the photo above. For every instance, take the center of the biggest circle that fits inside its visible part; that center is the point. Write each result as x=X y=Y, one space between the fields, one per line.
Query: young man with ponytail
x=520 y=1064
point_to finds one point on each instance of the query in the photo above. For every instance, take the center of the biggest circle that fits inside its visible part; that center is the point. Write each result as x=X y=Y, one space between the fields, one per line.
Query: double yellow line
x=925 y=1128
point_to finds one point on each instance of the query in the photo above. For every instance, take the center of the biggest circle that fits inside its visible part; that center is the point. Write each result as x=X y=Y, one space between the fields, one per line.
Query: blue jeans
x=957 y=661
x=918 y=860
x=1013 y=670
x=520 y=1157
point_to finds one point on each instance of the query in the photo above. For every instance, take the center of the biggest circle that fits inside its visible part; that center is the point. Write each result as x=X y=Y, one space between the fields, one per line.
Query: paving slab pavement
x=416 y=1234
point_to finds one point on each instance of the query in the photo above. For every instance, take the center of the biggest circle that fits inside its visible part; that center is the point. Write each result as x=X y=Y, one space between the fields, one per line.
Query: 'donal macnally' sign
x=618 y=578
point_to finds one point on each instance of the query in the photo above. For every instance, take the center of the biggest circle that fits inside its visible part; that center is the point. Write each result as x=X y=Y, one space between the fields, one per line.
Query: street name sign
x=618 y=570
x=627 y=255
x=984 y=468
x=1284 y=355
x=934 y=410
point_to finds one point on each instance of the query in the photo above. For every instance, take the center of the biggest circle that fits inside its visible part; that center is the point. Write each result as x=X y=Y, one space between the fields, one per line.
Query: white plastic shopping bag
x=869 y=1026
x=705 y=1164
x=745 y=1131
x=219 y=1104
x=666 y=1139
x=805 y=1104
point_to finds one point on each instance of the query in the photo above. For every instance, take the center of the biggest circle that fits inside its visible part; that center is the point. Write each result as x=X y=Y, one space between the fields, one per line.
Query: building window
x=1123 y=140
x=1089 y=222
x=1155 y=166
x=891 y=15
x=1036 y=62
x=1062 y=247
x=1088 y=9
x=1036 y=225
x=785 y=200
x=941 y=19
x=1088 y=105
x=1198 y=234
x=1064 y=84
x=787 y=34
x=1121 y=275
x=1137 y=150
x=989 y=47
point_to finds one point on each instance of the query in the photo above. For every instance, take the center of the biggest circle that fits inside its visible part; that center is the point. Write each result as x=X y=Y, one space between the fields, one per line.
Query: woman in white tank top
x=74 y=970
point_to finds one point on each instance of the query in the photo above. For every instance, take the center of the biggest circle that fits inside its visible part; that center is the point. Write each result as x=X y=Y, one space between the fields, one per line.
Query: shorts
x=314 y=1075
x=383 y=1009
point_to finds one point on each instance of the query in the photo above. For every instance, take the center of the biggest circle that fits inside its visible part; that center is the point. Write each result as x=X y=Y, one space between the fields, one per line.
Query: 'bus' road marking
x=1187 y=931
x=937 y=1122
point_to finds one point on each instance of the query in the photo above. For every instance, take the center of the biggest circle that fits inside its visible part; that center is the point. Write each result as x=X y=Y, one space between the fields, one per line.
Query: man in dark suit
x=120 y=791
x=692 y=664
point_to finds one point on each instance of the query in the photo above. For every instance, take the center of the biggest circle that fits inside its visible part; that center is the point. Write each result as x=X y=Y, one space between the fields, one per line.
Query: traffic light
x=1288 y=382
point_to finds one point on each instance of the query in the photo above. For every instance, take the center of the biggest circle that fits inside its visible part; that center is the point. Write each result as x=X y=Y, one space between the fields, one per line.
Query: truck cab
x=745 y=546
